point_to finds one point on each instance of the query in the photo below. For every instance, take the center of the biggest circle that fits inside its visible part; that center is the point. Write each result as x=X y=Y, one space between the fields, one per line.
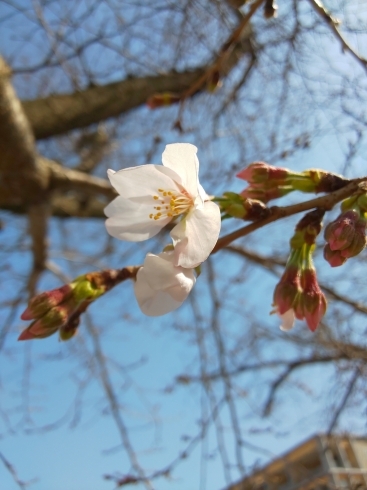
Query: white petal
x=142 y=181
x=152 y=302
x=181 y=157
x=287 y=320
x=196 y=235
x=161 y=274
x=128 y=220
x=202 y=194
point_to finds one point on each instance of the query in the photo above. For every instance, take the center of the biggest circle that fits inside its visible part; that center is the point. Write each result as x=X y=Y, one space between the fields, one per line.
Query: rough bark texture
x=59 y=114
x=22 y=179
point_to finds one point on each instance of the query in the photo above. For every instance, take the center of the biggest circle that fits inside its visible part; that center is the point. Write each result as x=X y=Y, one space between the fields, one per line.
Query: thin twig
x=38 y=215
x=222 y=356
x=333 y=23
x=223 y=55
x=114 y=404
x=352 y=382
x=21 y=484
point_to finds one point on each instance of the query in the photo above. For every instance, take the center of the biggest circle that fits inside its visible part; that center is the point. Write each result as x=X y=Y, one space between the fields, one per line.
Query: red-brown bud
x=286 y=290
x=265 y=194
x=161 y=100
x=311 y=303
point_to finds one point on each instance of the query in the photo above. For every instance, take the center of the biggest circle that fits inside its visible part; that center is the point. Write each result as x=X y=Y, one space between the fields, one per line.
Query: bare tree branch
x=343 y=402
x=21 y=484
x=333 y=23
x=22 y=179
x=58 y=114
x=38 y=215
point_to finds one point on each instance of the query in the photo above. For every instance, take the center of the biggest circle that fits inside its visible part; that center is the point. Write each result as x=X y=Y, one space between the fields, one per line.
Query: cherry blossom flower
x=153 y=195
x=160 y=286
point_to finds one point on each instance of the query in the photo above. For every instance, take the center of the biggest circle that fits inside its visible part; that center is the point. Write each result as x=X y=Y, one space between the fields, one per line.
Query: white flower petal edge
x=161 y=287
x=196 y=235
x=287 y=320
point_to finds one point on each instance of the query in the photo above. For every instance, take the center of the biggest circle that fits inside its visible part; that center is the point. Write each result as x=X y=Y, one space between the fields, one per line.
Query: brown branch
x=63 y=178
x=326 y=202
x=333 y=23
x=62 y=206
x=38 y=215
x=58 y=114
x=22 y=180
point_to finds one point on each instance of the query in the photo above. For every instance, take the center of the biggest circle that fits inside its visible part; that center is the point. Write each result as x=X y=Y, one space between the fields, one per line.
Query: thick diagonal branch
x=58 y=114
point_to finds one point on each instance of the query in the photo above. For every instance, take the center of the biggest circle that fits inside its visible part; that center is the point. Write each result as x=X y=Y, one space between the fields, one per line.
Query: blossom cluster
x=59 y=310
x=152 y=196
x=298 y=294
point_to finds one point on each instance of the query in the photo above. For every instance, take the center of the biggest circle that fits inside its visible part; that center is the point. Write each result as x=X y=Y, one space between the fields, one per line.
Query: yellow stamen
x=174 y=204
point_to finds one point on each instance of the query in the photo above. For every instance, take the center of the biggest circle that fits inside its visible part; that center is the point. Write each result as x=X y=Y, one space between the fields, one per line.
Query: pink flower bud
x=340 y=233
x=40 y=304
x=50 y=322
x=259 y=172
x=359 y=241
x=347 y=235
x=312 y=302
x=60 y=309
x=265 y=194
x=286 y=290
x=334 y=257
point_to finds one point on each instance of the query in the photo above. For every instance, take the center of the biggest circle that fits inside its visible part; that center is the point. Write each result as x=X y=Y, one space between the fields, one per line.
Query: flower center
x=171 y=203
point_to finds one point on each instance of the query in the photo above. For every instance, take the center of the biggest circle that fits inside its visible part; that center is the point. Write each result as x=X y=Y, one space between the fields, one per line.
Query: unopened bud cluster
x=298 y=294
x=346 y=235
x=267 y=182
x=60 y=309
